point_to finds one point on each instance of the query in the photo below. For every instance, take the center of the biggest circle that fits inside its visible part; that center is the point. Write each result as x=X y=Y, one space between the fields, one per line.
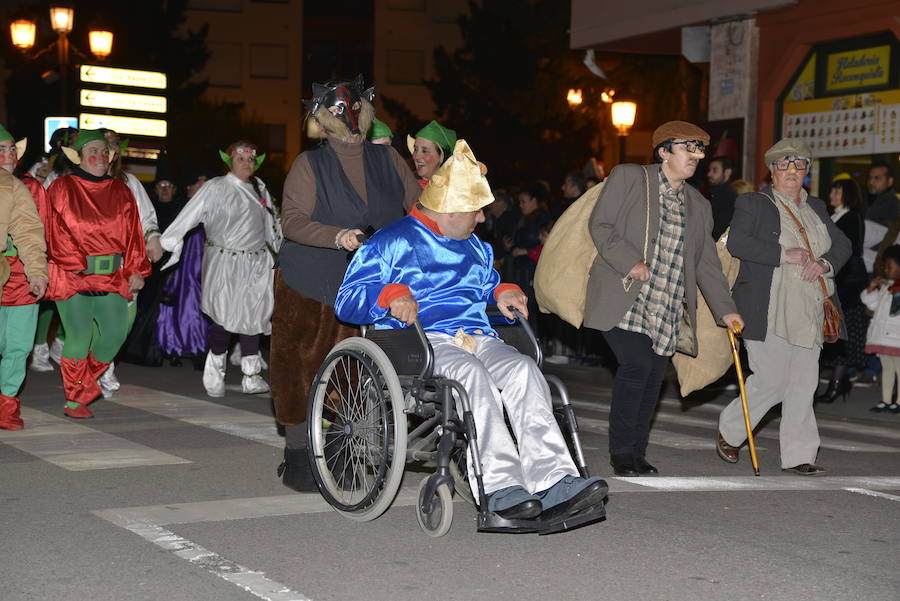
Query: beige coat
x=618 y=226
x=19 y=219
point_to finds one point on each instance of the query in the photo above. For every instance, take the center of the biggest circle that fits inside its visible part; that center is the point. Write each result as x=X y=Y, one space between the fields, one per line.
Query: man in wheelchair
x=430 y=266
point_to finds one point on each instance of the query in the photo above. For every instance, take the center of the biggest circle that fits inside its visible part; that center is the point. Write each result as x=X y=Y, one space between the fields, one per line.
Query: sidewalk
x=856 y=407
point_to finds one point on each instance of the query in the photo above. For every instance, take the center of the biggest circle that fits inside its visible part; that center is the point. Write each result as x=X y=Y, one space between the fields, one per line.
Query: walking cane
x=740 y=374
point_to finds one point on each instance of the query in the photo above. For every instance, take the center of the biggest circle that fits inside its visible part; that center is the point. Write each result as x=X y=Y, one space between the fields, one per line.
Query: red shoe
x=76 y=410
x=9 y=413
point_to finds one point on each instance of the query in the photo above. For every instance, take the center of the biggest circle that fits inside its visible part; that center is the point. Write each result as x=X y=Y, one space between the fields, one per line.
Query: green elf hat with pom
x=437 y=133
x=226 y=158
x=379 y=129
x=21 y=145
x=85 y=136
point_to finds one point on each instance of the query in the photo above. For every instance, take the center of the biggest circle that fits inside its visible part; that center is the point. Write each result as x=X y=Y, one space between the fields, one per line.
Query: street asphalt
x=170 y=495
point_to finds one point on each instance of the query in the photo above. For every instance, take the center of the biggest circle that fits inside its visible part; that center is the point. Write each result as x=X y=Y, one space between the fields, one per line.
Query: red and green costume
x=95 y=244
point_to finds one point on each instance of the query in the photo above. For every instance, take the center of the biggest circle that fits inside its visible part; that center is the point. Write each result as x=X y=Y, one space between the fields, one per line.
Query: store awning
x=596 y=24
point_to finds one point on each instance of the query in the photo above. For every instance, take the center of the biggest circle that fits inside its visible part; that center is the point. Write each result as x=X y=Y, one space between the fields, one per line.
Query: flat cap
x=679 y=130
x=788 y=147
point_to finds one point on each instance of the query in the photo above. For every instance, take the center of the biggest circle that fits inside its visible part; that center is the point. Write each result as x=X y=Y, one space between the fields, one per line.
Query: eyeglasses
x=165 y=185
x=799 y=164
x=692 y=145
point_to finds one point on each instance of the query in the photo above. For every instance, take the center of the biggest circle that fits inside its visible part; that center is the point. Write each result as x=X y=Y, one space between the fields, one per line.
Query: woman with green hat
x=27 y=268
x=429 y=148
x=380 y=133
x=97 y=262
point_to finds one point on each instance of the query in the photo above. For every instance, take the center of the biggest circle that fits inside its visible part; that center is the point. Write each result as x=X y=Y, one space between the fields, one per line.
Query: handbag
x=831 y=326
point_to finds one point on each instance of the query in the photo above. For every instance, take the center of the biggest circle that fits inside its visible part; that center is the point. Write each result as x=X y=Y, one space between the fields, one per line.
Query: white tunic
x=241 y=238
x=149 y=225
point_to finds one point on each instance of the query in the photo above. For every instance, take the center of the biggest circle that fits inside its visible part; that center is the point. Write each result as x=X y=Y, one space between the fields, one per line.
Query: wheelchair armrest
x=517 y=334
x=408 y=349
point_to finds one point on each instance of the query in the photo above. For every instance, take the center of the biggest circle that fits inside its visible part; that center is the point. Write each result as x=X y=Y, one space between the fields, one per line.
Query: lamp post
x=62 y=19
x=623 y=112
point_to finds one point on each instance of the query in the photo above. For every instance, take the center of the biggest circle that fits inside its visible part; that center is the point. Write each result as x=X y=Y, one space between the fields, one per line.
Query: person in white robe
x=243 y=234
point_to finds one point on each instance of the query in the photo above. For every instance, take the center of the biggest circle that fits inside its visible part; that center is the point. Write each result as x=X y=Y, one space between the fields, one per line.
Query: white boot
x=108 y=381
x=40 y=358
x=214 y=374
x=253 y=382
x=56 y=350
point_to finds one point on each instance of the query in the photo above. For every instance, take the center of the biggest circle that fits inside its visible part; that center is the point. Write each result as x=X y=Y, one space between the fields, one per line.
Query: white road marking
x=659 y=437
x=236 y=422
x=874 y=493
x=251 y=581
x=74 y=447
x=669 y=439
x=735 y=483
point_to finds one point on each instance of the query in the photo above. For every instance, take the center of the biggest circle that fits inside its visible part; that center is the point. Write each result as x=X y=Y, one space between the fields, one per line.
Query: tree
x=504 y=90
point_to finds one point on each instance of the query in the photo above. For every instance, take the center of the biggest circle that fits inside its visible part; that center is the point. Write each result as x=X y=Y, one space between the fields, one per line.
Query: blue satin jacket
x=452 y=280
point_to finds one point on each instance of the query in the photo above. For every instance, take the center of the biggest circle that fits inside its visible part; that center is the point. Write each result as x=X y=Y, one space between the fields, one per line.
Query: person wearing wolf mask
x=335 y=194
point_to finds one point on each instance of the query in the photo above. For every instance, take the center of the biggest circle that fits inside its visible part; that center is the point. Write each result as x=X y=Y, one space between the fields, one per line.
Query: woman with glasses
x=790 y=251
x=654 y=247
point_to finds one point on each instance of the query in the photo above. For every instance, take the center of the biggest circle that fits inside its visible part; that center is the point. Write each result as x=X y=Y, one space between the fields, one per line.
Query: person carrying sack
x=790 y=251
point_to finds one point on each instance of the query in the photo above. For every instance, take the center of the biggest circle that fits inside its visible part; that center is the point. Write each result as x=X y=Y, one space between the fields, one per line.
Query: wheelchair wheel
x=357 y=430
x=437 y=522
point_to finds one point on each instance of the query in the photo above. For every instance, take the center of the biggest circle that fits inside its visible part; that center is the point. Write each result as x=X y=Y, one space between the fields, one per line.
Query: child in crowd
x=883 y=338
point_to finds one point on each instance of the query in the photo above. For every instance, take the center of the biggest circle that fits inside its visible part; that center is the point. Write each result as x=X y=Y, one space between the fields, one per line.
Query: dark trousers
x=635 y=391
x=219 y=338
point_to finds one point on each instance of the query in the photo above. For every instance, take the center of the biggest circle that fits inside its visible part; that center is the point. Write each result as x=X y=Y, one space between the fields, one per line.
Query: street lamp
x=623 y=112
x=62 y=19
x=574 y=97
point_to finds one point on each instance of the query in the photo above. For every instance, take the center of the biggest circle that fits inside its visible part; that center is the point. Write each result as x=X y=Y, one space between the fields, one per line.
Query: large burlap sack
x=714 y=356
x=561 y=277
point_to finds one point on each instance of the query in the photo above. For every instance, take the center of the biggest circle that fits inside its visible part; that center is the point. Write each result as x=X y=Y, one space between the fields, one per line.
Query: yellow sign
x=125 y=125
x=127 y=102
x=862 y=68
x=123 y=77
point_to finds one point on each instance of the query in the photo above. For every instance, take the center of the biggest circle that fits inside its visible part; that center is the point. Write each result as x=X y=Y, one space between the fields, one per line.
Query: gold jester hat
x=459 y=186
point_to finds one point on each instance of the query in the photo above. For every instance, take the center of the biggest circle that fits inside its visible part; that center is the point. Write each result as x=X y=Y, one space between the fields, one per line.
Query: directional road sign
x=127 y=102
x=125 y=125
x=51 y=124
x=123 y=77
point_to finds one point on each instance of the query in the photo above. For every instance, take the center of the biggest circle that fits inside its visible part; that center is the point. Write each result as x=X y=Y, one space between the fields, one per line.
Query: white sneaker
x=214 y=375
x=56 y=350
x=40 y=358
x=108 y=381
x=253 y=382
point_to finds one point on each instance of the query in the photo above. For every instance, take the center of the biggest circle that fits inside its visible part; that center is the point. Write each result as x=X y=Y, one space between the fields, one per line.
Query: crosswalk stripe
x=785 y=483
x=77 y=448
x=660 y=437
x=236 y=422
x=663 y=438
x=874 y=493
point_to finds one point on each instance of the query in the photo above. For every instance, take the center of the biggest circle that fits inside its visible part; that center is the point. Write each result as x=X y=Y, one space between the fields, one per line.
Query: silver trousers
x=786 y=374
x=495 y=376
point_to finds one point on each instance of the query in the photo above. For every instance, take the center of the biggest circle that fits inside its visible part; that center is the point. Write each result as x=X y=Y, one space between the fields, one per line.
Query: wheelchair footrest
x=491 y=522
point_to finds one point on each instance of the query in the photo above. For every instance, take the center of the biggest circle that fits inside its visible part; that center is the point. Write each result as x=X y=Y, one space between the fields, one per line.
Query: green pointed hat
x=379 y=129
x=85 y=136
x=437 y=133
x=21 y=145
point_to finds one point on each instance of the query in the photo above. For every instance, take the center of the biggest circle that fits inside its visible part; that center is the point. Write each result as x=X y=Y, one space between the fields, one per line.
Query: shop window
x=224 y=65
x=407 y=4
x=226 y=6
x=268 y=61
x=405 y=66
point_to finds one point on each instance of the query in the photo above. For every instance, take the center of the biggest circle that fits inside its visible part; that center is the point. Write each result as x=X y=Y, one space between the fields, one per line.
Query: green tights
x=97 y=324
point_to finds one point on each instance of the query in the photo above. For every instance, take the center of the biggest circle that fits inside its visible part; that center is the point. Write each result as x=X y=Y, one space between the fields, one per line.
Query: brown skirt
x=303 y=331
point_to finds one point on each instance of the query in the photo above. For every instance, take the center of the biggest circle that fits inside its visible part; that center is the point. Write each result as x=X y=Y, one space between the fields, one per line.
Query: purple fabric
x=181 y=326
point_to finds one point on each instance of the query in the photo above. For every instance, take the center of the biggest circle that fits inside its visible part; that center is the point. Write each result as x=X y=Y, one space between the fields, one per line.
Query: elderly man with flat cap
x=790 y=251
x=654 y=248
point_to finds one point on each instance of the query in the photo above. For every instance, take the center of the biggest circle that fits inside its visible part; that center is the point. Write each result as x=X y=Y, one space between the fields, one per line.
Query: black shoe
x=836 y=388
x=644 y=468
x=590 y=495
x=805 y=469
x=623 y=465
x=526 y=510
x=295 y=471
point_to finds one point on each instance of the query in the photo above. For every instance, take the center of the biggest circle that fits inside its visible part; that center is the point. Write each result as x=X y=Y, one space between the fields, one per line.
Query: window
x=269 y=61
x=405 y=66
x=224 y=65
x=227 y=6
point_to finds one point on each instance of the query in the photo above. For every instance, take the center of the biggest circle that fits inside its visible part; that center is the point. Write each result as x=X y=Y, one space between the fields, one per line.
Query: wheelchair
x=376 y=404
